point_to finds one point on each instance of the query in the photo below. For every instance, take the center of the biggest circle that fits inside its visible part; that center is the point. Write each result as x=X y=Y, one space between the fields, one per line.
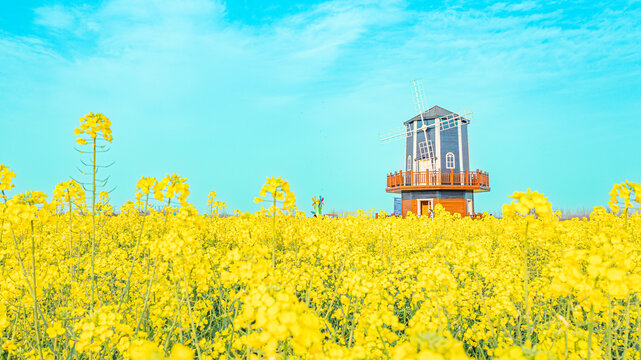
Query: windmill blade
x=397 y=133
x=394 y=134
x=448 y=122
x=419 y=97
x=454 y=120
x=425 y=150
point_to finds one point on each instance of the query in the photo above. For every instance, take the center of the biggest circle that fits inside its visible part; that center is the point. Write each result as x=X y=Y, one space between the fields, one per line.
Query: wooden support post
x=451 y=176
x=411 y=177
x=466 y=182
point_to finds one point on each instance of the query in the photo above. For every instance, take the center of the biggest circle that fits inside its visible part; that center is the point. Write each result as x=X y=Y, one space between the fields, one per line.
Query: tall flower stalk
x=69 y=193
x=144 y=185
x=30 y=206
x=92 y=125
x=278 y=189
x=215 y=206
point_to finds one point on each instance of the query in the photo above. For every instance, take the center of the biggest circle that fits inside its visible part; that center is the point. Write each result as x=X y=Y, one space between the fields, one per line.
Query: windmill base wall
x=437 y=194
x=452 y=201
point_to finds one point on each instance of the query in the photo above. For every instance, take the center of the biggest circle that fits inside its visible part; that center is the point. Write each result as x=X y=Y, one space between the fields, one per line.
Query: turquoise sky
x=227 y=93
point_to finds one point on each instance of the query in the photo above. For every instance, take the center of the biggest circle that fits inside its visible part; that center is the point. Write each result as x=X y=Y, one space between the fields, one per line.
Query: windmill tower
x=436 y=164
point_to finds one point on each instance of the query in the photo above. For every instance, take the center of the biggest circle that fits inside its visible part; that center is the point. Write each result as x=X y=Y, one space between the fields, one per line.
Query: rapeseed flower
x=92 y=125
x=177 y=284
x=5 y=178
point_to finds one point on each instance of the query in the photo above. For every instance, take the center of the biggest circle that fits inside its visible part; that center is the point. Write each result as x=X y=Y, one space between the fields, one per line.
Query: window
x=409 y=163
x=449 y=160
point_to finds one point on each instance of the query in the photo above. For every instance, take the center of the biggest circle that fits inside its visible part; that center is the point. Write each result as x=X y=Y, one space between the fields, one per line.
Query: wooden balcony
x=468 y=180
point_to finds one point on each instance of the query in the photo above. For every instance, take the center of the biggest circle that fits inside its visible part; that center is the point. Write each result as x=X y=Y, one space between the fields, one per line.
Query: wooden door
x=426 y=206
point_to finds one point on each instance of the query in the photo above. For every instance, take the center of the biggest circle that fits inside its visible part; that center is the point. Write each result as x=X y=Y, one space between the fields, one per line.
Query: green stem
x=380 y=336
x=147 y=295
x=93 y=224
x=331 y=303
x=526 y=280
x=189 y=312
x=35 y=296
x=609 y=329
x=24 y=270
x=133 y=261
x=70 y=237
x=590 y=329
x=627 y=329
x=70 y=225
x=274 y=235
x=153 y=274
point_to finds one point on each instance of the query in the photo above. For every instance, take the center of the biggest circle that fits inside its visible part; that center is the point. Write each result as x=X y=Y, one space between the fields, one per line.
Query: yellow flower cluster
x=429 y=346
x=147 y=350
x=272 y=317
x=26 y=207
x=594 y=276
x=144 y=186
x=92 y=125
x=278 y=188
x=100 y=328
x=215 y=206
x=526 y=202
x=174 y=284
x=69 y=193
x=5 y=178
x=624 y=191
x=171 y=186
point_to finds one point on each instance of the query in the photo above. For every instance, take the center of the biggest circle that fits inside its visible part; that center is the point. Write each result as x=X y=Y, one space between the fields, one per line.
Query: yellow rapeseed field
x=79 y=282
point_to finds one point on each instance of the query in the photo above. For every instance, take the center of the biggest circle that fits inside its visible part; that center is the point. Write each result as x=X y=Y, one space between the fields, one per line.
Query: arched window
x=449 y=160
x=409 y=163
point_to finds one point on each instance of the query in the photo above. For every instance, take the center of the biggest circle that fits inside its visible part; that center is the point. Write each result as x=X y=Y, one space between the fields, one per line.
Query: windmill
x=437 y=166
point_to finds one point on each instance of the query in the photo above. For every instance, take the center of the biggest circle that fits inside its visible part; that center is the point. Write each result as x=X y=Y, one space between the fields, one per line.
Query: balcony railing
x=440 y=179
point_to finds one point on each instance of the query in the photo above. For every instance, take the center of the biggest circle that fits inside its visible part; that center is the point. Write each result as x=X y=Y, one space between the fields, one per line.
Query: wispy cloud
x=55 y=16
x=522 y=6
x=524 y=37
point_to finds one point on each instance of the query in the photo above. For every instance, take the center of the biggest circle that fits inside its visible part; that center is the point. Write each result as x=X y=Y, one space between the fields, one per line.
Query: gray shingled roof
x=434 y=112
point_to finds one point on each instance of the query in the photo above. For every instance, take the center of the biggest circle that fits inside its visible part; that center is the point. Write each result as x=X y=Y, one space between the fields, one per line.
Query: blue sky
x=227 y=93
